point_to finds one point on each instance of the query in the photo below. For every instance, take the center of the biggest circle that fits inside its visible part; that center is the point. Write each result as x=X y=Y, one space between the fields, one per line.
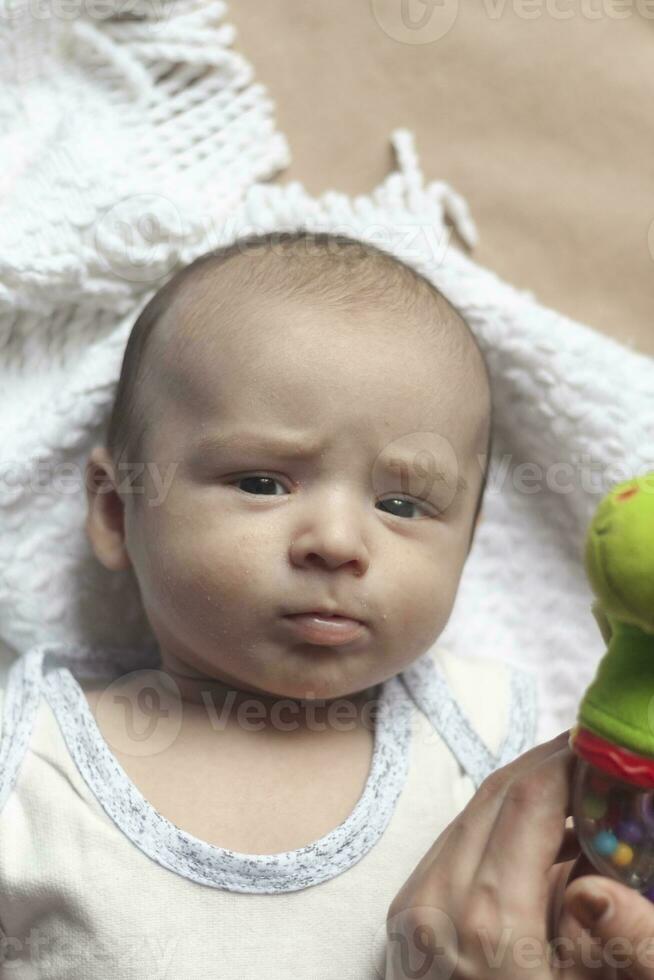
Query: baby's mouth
x=324 y=629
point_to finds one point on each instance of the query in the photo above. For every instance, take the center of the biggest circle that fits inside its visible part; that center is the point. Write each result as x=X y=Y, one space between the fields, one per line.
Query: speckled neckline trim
x=429 y=689
x=220 y=867
x=54 y=669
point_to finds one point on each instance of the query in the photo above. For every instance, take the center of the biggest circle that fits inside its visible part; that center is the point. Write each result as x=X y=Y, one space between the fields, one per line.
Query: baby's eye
x=266 y=481
x=267 y=484
x=408 y=503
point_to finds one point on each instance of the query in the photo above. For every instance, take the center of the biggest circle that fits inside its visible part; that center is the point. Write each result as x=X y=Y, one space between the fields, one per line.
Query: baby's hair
x=332 y=268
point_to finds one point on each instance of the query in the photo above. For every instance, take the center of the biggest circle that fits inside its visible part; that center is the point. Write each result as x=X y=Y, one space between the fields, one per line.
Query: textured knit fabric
x=94 y=882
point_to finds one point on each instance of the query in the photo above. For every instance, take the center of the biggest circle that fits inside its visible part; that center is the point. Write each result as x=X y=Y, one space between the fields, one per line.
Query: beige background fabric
x=537 y=111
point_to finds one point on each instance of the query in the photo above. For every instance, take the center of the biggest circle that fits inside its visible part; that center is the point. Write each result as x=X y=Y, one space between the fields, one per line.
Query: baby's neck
x=207 y=699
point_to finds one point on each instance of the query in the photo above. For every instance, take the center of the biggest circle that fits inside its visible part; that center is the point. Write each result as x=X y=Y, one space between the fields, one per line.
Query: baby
x=326 y=418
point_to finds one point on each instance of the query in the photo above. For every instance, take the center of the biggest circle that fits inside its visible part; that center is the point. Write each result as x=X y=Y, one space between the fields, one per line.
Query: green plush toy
x=613 y=796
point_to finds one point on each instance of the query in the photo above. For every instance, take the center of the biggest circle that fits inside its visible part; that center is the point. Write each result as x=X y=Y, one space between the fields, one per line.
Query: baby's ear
x=105 y=519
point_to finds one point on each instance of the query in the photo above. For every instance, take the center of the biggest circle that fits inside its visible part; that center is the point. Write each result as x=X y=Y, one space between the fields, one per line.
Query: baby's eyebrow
x=285 y=447
x=299 y=447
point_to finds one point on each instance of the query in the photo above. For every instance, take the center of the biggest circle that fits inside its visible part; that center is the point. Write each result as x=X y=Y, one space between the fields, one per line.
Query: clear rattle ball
x=614 y=822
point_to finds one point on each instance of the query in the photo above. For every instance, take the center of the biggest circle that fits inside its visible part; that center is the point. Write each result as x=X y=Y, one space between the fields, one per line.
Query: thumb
x=619 y=917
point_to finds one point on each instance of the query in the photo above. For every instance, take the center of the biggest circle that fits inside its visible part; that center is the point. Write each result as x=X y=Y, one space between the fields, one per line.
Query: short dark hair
x=330 y=267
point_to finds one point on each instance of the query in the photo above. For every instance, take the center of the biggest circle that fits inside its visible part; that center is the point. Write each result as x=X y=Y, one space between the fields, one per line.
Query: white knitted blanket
x=135 y=147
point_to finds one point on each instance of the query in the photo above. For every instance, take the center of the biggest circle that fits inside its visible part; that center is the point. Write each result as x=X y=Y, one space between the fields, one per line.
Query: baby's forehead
x=211 y=303
x=217 y=319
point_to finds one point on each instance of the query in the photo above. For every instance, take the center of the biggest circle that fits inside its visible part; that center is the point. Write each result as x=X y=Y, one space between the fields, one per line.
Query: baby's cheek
x=422 y=601
x=220 y=564
x=193 y=596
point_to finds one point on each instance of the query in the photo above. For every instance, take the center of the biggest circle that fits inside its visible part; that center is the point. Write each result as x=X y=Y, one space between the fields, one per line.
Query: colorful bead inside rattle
x=614 y=822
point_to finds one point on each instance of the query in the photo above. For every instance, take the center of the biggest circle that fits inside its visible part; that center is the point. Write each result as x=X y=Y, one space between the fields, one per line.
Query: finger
x=570 y=847
x=562 y=877
x=527 y=836
x=460 y=848
x=559 y=876
x=624 y=931
x=503 y=777
x=557 y=880
x=571 y=947
x=576 y=953
x=485 y=803
x=581 y=867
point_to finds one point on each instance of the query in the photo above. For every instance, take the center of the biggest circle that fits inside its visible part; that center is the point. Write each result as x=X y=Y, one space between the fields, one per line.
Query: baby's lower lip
x=326 y=630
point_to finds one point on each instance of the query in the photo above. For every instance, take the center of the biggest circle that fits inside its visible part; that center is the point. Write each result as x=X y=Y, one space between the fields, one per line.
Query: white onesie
x=95 y=883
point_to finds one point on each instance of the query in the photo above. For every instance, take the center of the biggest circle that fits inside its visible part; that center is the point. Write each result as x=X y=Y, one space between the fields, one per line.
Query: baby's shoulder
x=485 y=703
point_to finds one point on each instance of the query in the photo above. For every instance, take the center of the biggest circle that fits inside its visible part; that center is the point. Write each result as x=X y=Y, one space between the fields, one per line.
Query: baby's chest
x=249 y=795
x=256 y=803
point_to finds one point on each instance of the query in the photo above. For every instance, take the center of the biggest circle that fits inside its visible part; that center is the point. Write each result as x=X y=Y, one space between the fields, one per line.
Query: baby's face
x=250 y=531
